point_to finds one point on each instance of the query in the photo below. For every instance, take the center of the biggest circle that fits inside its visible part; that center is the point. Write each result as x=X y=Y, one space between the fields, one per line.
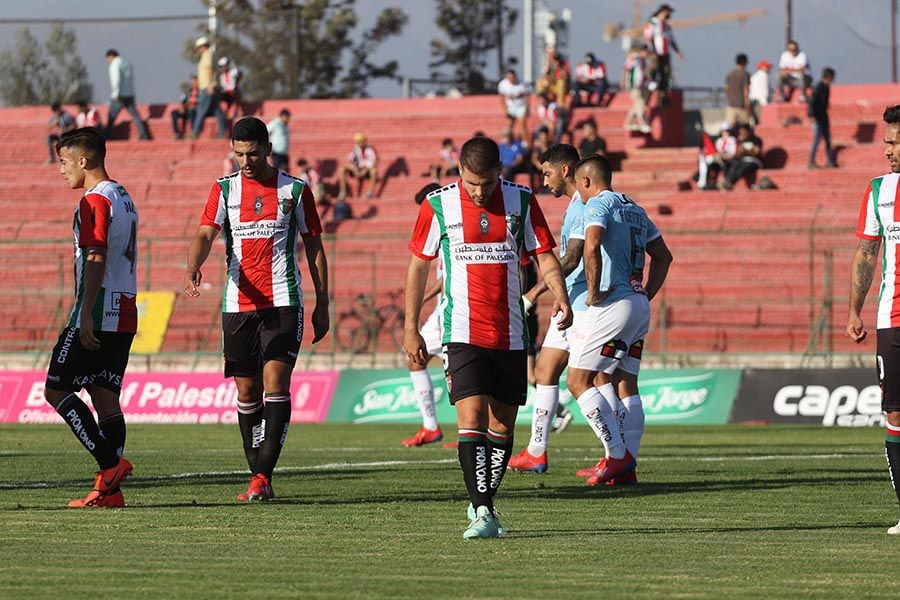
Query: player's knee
x=893 y=417
x=54 y=397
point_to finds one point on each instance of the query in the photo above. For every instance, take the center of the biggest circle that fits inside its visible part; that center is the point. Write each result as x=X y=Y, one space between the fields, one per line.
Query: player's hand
x=88 y=340
x=191 y=282
x=320 y=321
x=856 y=331
x=564 y=321
x=416 y=352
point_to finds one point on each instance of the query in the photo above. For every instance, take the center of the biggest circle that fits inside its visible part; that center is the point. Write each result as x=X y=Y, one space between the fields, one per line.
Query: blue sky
x=853 y=36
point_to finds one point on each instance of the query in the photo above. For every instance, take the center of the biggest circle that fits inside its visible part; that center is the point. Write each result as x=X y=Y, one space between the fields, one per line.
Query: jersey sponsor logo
x=286 y=205
x=497 y=455
x=66 y=346
x=257 y=229
x=481 y=469
x=484 y=253
x=258 y=205
x=844 y=406
x=78 y=427
x=892 y=232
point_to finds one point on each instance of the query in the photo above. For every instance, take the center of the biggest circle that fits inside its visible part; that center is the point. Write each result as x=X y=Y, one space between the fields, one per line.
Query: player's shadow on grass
x=631 y=531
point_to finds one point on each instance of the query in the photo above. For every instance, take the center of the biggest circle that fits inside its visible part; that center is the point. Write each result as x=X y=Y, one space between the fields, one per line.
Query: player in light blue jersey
x=607 y=343
x=558 y=167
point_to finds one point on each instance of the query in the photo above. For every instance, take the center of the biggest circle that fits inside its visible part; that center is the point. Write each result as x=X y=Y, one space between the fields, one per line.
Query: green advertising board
x=674 y=396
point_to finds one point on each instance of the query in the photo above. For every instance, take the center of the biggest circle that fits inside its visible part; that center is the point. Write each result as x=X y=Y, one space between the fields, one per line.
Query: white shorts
x=611 y=337
x=433 y=333
x=556 y=339
x=516 y=112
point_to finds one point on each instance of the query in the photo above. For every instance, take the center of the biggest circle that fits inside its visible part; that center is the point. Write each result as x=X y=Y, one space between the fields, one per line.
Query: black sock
x=250 y=416
x=473 y=458
x=500 y=448
x=113 y=429
x=892 y=452
x=276 y=419
x=78 y=417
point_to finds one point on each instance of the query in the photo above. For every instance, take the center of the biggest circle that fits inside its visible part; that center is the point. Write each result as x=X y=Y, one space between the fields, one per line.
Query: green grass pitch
x=719 y=512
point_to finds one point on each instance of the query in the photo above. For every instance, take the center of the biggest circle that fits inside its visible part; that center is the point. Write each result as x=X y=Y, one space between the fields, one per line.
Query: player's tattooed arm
x=567 y=262
x=862 y=272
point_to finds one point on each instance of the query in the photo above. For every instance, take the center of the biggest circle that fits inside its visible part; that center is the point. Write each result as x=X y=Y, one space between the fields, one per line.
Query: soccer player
x=609 y=338
x=480 y=225
x=558 y=167
x=430 y=431
x=92 y=350
x=878 y=222
x=262 y=212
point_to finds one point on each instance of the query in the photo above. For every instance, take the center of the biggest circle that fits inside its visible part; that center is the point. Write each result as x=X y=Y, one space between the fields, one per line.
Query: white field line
x=446 y=461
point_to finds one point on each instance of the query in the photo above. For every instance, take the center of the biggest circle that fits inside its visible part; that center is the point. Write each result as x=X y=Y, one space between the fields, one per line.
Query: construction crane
x=618 y=30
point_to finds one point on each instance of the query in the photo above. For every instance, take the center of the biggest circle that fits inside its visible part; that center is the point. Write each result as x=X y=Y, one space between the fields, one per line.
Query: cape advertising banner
x=167 y=397
x=688 y=396
x=832 y=397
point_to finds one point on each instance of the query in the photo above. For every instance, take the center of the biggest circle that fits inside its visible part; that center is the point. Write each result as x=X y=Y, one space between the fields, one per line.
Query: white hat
x=223 y=61
x=201 y=41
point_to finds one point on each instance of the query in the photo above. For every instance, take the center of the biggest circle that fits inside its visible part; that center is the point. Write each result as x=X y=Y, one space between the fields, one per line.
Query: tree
x=471 y=27
x=30 y=74
x=291 y=49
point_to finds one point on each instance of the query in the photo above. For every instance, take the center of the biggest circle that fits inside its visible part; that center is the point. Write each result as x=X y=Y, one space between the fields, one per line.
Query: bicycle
x=360 y=326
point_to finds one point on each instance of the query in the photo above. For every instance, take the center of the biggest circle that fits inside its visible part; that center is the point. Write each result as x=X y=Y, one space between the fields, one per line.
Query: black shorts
x=73 y=368
x=888 y=366
x=474 y=371
x=252 y=338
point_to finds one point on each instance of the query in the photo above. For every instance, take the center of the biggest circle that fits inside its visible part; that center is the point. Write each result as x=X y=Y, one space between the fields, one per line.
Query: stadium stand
x=753 y=271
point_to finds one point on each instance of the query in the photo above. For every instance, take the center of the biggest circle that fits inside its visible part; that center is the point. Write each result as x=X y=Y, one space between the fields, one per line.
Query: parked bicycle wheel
x=351 y=333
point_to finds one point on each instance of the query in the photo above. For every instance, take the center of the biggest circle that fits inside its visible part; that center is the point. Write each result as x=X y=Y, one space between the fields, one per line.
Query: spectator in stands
x=541 y=143
x=660 y=40
x=556 y=77
x=551 y=115
x=513 y=156
x=793 y=72
x=310 y=175
x=230 y=84
x=759 y=90
x=184 y=116
x=737 y=92
x=714 y=157
x=87 y=116
x=362 y=164
x=447 y=164
x=121 y=84
x=818 y=114
x=747 y=157
x=590 y=80
x=59 y=123
x=230 y=165
x=634 y=80
x=514 y=98
x=591 y=143
x=280 y=138
x=208 y=99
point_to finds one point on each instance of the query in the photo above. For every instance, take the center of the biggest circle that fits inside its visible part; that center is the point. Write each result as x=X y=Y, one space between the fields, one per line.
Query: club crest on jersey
x=512 y=223
x=286 y=205
x=484 y=223
x=258 y=205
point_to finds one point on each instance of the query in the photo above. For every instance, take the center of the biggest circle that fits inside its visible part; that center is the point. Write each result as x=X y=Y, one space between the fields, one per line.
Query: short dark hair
x=446 y=141
x=794 y=42
x=82 y=104
x=600 y=164
x=55 y=106
x=561 y=154
x=828 y=72
x=892 y=115
x=426 y=189
x=250 y=129
x=302 y=162
x=112 y=52
x=740 y=59
x=480 y=155
x=87 y=139
x=284 y=112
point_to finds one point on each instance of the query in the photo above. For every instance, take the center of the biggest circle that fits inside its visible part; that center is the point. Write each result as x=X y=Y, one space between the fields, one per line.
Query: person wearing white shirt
x=514 y=98
x=280 y=138
x=759 y=89
x=793 y=72
x=121 y=83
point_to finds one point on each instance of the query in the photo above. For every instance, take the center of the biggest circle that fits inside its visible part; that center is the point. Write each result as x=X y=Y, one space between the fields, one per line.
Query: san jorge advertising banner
x=167 y=397
x=689 y=396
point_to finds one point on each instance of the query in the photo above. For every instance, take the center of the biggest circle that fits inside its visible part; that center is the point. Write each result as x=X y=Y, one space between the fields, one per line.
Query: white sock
x=608 y=391
x=546 y=398
x=634 y=423
x=602 y=420
x=421 y=381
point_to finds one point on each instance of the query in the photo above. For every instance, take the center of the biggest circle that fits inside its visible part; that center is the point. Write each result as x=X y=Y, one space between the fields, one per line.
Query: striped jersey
x=573 y=229
x=107 y=217
x=635 y=71
x=658 y=35
x=879 y=219
x=624 y=244
x=261 y=221
x=481 y=249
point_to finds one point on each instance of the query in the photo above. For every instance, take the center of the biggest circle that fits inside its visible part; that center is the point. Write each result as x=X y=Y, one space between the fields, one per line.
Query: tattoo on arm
x=569 y=261
x=867 y=254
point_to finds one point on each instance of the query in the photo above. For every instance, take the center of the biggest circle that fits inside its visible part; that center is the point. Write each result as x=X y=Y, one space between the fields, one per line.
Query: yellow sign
x=154 y=312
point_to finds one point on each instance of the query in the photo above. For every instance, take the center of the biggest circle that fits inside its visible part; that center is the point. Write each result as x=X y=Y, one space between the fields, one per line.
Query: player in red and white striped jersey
x=480 y=225
x=92 y=351
x=879 y=221
x=262 y=213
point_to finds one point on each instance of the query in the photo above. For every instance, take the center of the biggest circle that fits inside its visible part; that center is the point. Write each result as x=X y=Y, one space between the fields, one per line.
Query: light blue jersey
x=573 y=228
x=623 y=250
